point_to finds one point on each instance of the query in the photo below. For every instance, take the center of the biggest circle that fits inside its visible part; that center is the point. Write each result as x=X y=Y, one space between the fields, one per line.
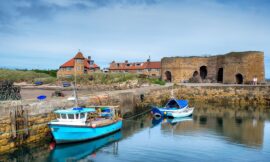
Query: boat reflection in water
x=172 y=121
x=178 y=120
x=77 y=151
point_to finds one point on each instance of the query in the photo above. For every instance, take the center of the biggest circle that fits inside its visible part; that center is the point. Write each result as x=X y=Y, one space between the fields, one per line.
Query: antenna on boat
x=75 y=88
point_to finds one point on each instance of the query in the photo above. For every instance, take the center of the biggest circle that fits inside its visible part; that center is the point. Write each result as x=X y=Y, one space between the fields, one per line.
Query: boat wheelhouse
x=173 y=105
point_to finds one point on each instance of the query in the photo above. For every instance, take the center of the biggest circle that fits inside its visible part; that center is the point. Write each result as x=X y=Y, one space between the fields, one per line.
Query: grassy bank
x=110 y=78
x=28 y=76
x=49 y=76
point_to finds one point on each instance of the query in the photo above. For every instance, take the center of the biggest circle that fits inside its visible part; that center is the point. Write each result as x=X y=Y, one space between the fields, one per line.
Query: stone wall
x=247 y=64
x=251 y=96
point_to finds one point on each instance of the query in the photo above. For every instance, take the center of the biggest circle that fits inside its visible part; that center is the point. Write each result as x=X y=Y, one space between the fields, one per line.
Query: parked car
x=66 y=84
x=37 y=83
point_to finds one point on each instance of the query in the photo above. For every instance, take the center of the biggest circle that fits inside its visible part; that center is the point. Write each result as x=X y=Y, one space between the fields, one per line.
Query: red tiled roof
x=135 y=66
x=79 y=55
x=94 y=66
x=69 y=63
x=153 y=65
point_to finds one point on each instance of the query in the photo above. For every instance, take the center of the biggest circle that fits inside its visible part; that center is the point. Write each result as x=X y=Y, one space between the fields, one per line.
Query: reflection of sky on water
x=266 y=139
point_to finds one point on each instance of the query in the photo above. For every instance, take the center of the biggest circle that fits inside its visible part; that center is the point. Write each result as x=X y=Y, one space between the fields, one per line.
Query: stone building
x=234 y=67
x=148 y=68
x=77 y=65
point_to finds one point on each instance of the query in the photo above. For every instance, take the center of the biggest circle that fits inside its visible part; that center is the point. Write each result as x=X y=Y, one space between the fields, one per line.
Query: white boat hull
x=184 y=113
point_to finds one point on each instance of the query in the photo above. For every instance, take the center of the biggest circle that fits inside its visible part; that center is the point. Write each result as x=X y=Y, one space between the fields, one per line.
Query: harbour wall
x=25 y=122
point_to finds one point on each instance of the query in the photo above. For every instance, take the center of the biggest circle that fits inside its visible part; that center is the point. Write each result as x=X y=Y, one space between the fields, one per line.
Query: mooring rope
x=144 y=112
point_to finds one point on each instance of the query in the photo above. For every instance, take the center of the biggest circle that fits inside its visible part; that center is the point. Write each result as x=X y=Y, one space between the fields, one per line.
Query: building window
x=139 y=71
x=79 y=68
x=68 y=76
x=128 y=64
x=79 y=60
x=149 y=69
x=69 y=68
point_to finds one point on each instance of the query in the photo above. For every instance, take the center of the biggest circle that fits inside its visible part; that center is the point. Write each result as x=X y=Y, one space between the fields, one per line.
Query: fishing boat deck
x=101 y=122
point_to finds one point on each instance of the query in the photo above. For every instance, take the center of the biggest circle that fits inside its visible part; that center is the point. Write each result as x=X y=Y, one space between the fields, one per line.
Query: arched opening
x=239 y=78
x=203 y=72
x=168 y=75
x=195 y=73
x=220 y=75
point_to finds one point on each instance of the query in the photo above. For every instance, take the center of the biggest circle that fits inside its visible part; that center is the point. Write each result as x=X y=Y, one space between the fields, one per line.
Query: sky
x=44 y=34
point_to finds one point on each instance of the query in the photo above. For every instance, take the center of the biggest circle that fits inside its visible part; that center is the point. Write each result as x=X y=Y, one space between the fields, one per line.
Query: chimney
x=126 y=61
x=148 y=60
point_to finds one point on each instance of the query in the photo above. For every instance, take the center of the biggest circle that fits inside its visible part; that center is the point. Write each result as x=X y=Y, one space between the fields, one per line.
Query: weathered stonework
x=234 y=67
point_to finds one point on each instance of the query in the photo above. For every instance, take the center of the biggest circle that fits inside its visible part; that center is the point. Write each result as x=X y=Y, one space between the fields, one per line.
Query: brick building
x=147 y=68
x=77 y=65
x=234 y=67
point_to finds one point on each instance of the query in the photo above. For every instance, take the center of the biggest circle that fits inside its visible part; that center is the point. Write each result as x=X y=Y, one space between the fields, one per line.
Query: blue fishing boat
x=173 y=105
x=79 y=124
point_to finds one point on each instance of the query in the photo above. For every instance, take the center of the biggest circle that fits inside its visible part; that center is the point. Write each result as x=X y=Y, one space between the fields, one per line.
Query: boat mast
x=75 y=87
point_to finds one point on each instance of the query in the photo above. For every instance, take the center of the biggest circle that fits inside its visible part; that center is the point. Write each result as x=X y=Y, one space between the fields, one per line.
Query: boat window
x=63 y=116
x=70 y=116
x=82 y=115
x=77 y=116
x=58 y=116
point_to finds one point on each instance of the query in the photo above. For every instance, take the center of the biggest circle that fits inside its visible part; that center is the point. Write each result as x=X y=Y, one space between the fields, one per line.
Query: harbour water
x=211 y=134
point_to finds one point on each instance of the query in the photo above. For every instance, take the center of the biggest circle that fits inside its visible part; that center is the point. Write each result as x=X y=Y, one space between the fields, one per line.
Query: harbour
x=143 y=138
x=134 y=81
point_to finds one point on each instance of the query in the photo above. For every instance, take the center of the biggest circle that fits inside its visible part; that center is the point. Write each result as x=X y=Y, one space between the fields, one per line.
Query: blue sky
x=46 y=33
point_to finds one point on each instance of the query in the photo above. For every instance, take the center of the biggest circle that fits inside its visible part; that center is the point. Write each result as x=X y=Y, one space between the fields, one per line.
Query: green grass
x=52 y=73
x=156 y=81
x=104 y=78
x=110 y=78
x=25 y=76
x=47 y=76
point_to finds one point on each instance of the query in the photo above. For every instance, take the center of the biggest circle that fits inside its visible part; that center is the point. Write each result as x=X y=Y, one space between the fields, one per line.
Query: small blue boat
x=172 y=105
x=80 y=124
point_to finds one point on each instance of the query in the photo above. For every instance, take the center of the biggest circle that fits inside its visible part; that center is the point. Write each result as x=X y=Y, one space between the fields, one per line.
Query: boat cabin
x=74 y=115
x=179 y=104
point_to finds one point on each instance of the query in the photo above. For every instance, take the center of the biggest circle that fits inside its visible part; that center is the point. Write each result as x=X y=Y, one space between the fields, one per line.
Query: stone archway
x=168 y=75
x=239 y=78
x=220 y=75
x=203 y=72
